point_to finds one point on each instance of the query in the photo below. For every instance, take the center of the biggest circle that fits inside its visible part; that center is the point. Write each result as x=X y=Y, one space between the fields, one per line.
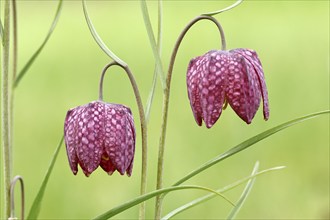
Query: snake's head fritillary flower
x=234 y=76
x=100 y=134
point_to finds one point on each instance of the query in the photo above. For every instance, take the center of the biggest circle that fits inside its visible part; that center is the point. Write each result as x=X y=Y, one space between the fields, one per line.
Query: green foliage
x=138 y=200
x=245 y=193
x=248 y=143
x=153 y=43
x=98 y=39
x=27 y=66
x=36 y=206
x=207 y=197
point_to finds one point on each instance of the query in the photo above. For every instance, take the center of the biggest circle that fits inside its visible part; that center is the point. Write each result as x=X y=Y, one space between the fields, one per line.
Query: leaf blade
x=98 y=39
x=1 y=32
x=159 y=48
x=153 y=43
x=223 y=10
x=244 y=194
x=36 y=205
x=247 y=143
x=205 y=198
x=27 y=66
x=118 y=209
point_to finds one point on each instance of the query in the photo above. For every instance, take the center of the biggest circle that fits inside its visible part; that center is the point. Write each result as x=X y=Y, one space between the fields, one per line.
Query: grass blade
x=248 y=143
x=142 y=198
x=203 y=199
x=146 y=18
x=26 y=67
x=159 y=48
x=1 y=28
x=225 y=9
x=1 y=31
x=98 y=39
x=245 y=193
x=36 y=206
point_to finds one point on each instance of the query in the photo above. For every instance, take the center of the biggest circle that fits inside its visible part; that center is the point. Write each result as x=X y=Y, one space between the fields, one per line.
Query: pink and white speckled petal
x=253 y=58
x=70 y=127
x=131 y=142
x=115 y=142
x=90 y=136
x=212 y=86
x=193 y=79
x=241 y=91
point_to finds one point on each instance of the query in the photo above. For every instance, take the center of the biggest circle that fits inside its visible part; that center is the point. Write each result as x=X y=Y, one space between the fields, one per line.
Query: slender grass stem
x=5 y=126
x=159 y=50
x=166 y=96
x=225 y=9
x=143 y=188
x=12 y=94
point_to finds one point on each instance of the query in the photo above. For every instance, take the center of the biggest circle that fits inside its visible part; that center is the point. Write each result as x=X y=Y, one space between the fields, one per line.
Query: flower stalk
x=12 y=197
x=5 y=117
x=166 y=95
x=143 y=188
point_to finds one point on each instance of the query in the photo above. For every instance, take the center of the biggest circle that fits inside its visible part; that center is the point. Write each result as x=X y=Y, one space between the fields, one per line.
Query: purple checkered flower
x=102 y=134
x=218 y=77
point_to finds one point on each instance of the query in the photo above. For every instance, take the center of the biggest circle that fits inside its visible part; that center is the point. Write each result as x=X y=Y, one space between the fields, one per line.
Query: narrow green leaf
x=225 y=9
x=36 y=206
x=248 y=143
x=26 y=67
x=114 y=211
x=159 y=48
x=244 y=194
x=98 y=39
x=1 y=31
x=151 y=96
x=153 y=43
x=203 y=199
x=1 y=28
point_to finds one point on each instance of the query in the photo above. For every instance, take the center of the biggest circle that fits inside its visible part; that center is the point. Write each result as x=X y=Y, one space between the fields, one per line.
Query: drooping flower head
x=100 y=134
x=234 y=76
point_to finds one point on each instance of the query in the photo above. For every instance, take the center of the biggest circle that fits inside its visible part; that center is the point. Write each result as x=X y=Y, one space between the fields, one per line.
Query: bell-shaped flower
x=102 y=134
x=218 y=77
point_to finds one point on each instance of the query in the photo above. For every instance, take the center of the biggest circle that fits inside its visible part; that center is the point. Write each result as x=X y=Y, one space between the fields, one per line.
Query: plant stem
x=12 y=199
x=5 y=111
x=11 y=108
x=166 y=95
x=143 y=188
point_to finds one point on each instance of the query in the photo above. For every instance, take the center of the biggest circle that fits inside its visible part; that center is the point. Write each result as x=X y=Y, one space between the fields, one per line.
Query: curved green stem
x=98 y=39
x=166 y=96
x=5 y=128
x=12 y=187
x=225 y=9
x=143 y=188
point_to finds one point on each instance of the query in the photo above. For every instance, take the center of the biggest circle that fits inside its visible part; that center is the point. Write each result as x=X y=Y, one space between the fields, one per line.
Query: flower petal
x=116 y=140
x=242 y=91
x=90 y=136
x=131 y=142
x=193 y=79
x=212 y=86
x=70 y=127
x=106 y=164
x=252 y=57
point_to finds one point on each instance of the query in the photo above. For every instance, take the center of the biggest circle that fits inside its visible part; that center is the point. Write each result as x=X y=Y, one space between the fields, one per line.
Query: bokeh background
x=292 y=40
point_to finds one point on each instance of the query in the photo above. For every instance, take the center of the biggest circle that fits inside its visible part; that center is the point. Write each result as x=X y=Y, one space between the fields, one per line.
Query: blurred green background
x=292 y=40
